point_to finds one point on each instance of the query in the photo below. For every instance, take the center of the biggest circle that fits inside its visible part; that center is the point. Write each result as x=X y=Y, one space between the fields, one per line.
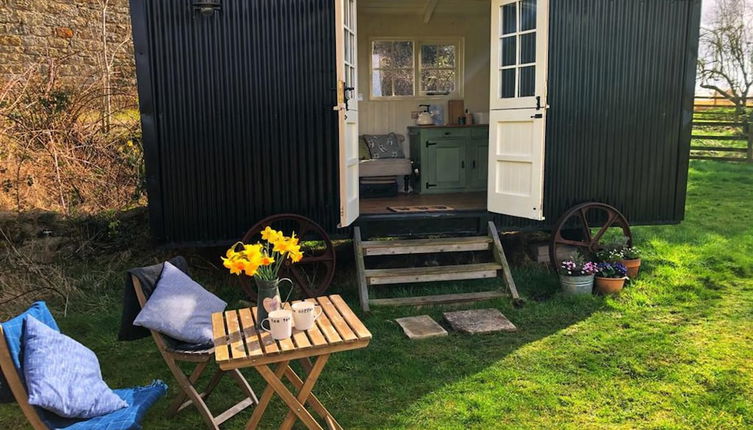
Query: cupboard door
x=445 y=166
x=478 y=164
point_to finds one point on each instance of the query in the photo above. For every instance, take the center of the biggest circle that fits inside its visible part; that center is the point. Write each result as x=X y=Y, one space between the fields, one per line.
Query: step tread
x=424 y=242
x=439 y=299
x=431 y=270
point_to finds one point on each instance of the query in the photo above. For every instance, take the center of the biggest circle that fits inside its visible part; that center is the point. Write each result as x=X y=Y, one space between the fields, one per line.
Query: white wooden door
x=518 y=103
x=347 y=107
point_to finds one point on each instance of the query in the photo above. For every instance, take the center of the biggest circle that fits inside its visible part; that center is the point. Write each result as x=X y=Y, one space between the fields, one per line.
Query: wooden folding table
x=239 y=343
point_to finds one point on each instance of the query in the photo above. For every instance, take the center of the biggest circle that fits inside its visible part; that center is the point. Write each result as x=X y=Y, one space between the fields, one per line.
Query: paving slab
x=479 y=321
x=421 y=327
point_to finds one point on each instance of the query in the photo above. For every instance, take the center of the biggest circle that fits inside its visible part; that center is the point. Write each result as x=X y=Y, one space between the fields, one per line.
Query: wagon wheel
x=576 y=228
x=315 y=271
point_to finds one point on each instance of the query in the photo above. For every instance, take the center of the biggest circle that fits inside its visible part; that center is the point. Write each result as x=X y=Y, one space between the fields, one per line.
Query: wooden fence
x=719 y=133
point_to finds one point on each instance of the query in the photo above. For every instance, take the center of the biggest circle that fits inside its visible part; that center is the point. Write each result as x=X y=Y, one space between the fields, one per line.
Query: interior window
x=392 y=68
x=415 y=68
x=438 y=68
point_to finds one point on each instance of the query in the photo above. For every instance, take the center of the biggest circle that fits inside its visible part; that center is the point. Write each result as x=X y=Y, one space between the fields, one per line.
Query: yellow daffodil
x=258 y=260
x=236 y=266
x=270 y=235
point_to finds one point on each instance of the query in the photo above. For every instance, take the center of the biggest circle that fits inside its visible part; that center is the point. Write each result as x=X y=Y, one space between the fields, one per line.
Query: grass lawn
x=674 y=351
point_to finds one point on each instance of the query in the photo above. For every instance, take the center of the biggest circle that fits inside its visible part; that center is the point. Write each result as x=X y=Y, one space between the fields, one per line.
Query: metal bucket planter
x=577 y=285
x=632 y=267
x=609 y=285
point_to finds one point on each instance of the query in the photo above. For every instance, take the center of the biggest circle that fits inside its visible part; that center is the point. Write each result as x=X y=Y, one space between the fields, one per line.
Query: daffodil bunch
x=263 y=260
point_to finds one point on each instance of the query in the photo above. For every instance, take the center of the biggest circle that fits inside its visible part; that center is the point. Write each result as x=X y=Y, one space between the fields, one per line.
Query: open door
x=517 y=117
x=347 y=108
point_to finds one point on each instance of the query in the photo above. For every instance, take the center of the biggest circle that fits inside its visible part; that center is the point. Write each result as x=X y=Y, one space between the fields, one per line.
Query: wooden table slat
x=250 y=334
x=268 y=344
x=325 y=325
x=299 y=337
x=237 y=348
x=221 y=351
x=353 y=321
x=337 y=320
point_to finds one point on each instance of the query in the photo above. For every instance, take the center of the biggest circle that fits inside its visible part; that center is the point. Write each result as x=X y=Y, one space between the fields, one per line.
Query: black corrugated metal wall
x=237 y=114
x=621 y=81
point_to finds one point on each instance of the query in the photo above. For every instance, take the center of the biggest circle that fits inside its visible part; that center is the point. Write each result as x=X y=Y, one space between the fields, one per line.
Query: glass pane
x=392 y=54
x=403 y=83
x=381 y=54
x=507 y=83
x=438 y=81
x=527 y=81
x=352 y=51
x=380 y=87
x=509 y=18
x=527 y=48
x=351 y=14
x=347 y=46
x=508 y=51
x=403 y=54
x=527 y=15
x=438 y=55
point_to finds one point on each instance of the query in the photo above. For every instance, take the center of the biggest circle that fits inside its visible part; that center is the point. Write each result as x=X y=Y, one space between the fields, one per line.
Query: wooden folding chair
x=139 y=399
x=173 y=354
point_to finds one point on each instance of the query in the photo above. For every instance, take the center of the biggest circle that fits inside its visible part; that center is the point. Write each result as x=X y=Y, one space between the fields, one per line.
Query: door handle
x=538 y=102
x=428 y=144
x=428 y=185
x=462 y=164
x=538 y=115
x=473 y=164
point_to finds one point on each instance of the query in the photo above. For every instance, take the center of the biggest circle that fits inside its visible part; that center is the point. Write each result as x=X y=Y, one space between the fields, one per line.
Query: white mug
x=280 y=324
x=305 y=314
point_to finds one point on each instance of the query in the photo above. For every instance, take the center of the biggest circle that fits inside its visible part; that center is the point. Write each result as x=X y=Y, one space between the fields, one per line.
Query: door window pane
x=509 y=18
x=527 y=48
x=508 y=51
x=527 y=81
x=507 y=77
x=527 y=15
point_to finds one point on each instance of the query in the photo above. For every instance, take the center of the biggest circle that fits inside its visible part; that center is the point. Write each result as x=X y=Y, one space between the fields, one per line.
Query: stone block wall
x=69 y=31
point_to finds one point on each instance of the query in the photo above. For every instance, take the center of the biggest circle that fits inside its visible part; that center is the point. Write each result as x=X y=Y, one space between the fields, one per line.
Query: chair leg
x=186 y=385
x=213 y=383
x=179 y=403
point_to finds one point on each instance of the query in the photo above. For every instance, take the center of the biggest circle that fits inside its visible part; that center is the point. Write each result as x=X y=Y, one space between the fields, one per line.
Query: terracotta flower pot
x=609 y=285
x=632 y=267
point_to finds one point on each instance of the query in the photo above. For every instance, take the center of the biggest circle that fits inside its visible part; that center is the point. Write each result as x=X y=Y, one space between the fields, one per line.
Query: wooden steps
x=405 y=275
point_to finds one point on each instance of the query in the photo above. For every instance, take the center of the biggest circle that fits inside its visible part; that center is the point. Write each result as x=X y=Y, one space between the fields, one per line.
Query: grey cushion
x=63 y=376
x=384 y=145
x=180 y=308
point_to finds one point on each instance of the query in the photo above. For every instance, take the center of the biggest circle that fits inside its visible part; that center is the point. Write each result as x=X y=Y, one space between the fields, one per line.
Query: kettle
x=425 y=117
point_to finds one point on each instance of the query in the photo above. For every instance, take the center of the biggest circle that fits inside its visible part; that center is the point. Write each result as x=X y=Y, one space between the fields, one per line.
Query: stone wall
x=71 y=33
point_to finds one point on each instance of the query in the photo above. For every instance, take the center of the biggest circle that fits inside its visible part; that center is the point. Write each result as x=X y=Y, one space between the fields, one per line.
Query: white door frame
x=517 y=122
x=347 y=108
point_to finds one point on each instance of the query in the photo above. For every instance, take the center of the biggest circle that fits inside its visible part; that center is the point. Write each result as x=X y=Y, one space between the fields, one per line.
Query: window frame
x=418 y=42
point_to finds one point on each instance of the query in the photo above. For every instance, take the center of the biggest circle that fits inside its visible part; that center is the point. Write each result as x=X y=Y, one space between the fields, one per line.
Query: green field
x=675 y=350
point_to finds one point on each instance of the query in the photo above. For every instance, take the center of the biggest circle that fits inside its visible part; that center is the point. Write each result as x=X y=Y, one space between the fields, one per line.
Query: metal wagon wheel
x=315 y=271
x=576 y=228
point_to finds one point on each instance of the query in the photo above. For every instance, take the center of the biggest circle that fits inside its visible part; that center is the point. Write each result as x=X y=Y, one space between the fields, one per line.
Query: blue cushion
x=14 y=330
x=180 y=308
x=63 y=376
x=140 y=400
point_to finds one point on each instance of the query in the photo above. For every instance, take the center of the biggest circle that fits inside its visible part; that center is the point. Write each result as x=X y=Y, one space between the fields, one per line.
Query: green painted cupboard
x=450 y=159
